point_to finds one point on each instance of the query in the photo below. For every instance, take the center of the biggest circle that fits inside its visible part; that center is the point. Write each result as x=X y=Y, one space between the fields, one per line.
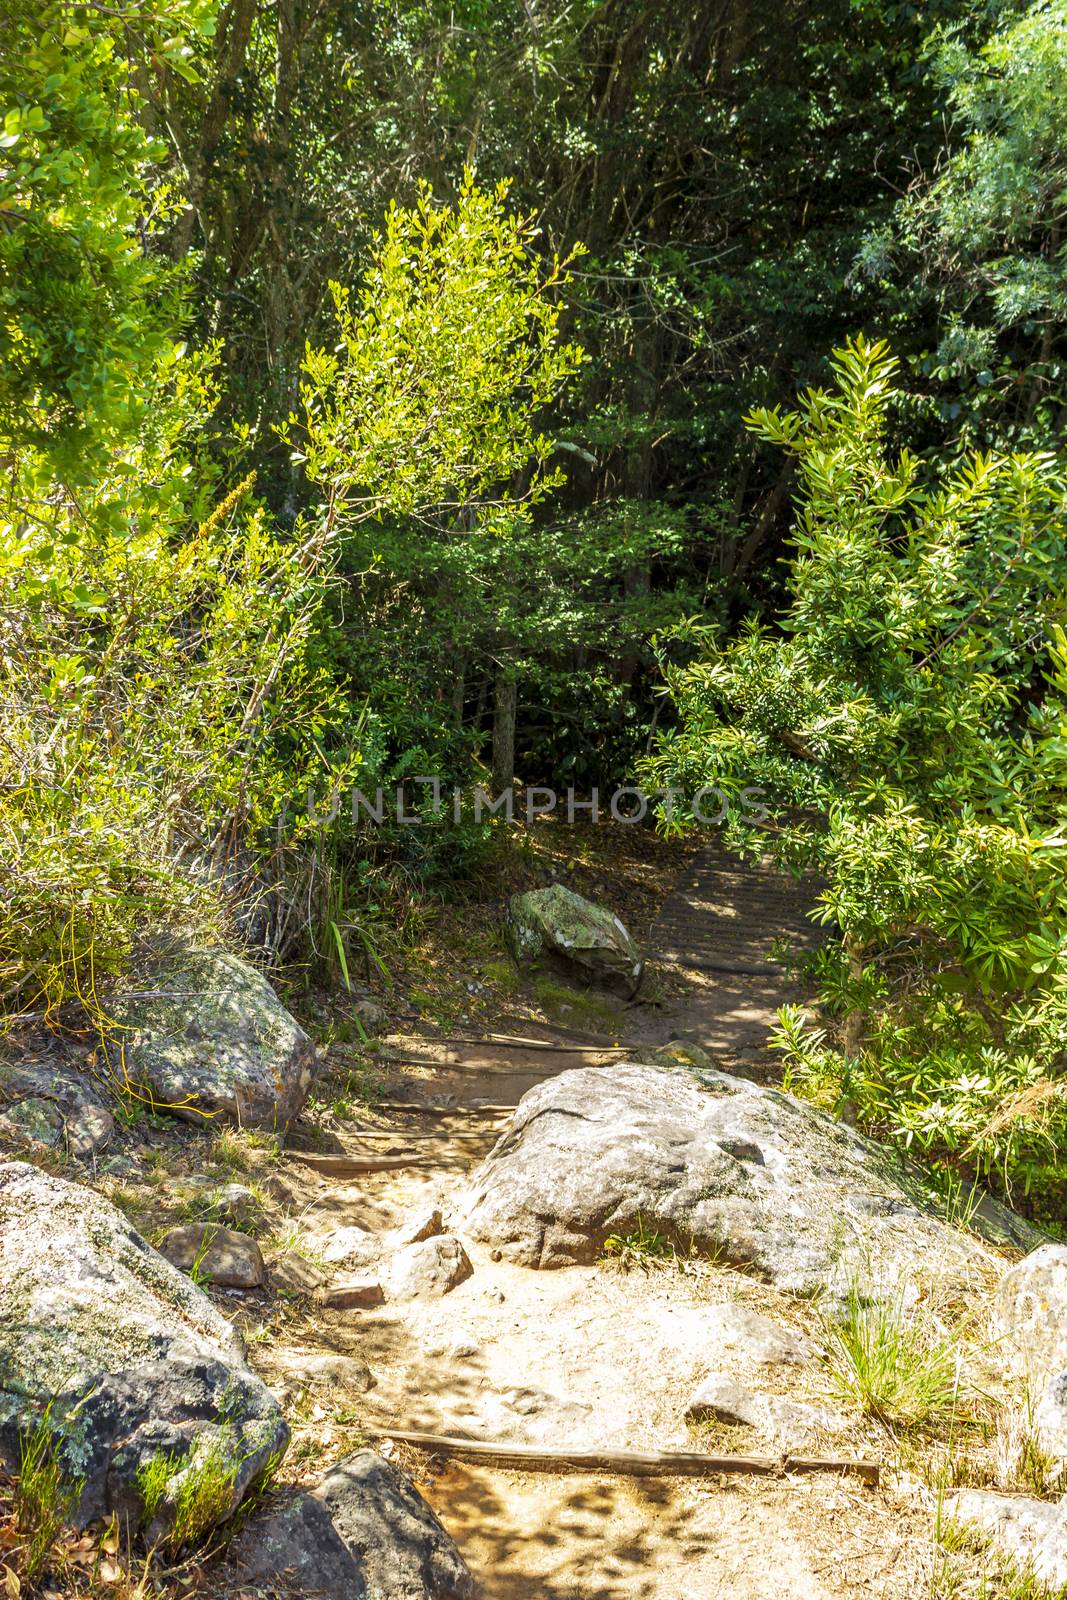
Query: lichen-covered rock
x=120 y=1358
x=404 y=1551
x=584 y=937
x=50 y=1103
x=215 y=1040
x=710 y=1161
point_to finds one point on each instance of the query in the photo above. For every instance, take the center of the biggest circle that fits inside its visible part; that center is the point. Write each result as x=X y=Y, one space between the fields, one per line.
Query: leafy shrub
x=907 y=722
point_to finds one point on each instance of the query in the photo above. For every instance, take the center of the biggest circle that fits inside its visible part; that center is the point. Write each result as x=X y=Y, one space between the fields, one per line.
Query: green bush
x=907 y=721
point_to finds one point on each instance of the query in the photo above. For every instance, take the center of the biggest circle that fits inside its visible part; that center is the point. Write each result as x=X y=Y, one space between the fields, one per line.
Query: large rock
x=1031 y=1323
x=583 y=937
x=121 y=1359
x=738 y=1171
x=402 y=1548
x=215 y=1040
x=1032 y=1533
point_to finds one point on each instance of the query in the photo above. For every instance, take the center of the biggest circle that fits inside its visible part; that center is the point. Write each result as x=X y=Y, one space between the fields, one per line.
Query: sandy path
x=591 y=1355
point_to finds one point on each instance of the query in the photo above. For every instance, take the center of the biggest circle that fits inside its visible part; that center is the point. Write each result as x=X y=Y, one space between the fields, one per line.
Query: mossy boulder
x=214 y=1040
x=585 y=939
x=125 y=1364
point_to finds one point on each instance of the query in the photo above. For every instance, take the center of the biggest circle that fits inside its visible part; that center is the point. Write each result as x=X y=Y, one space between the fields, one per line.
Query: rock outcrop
x=586 y=939
x=714 y=1162
x=214 y=1040
x=121 y=1360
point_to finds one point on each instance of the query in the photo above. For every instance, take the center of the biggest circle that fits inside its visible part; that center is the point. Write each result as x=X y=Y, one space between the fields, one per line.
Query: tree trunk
x=505 y=702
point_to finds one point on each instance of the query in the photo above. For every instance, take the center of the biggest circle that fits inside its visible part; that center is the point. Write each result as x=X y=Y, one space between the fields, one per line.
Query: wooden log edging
x=331 y=1166
x=630 y=1463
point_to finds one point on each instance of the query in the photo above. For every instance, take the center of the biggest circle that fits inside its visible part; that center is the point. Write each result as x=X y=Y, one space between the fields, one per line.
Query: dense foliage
x=373 y=396
x=905 y=718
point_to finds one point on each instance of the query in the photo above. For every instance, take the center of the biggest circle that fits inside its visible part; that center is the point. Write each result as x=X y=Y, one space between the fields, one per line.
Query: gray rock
x=50 y=1103
x=793 y=1422
x=1031 y=1313
x=583 y=937
x=596 y=1151
x=757 y=1337
x=220 y=1255
x=291 y=1545
x=1031 y=1322
x=401 y=1546
x=350 y=1243
x=120 y=1357
x=374 y=1018
x=429 y=1268
x=1033 y=1533
x=723 y=1399
x=34 y=1119
x=237 y=1207
x=215 y=1040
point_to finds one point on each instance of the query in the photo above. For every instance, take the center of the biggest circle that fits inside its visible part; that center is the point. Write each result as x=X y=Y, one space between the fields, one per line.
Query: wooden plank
x=518 y=1043
x=354 y=1166
x=630 y=1463
x=426 y=1110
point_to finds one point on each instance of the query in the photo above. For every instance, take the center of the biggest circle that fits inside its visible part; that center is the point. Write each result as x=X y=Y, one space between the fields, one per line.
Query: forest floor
x=601 y=1356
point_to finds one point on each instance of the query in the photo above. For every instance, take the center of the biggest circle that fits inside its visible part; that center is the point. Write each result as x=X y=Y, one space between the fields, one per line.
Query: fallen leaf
x=109 y=1571
x=12 y=1586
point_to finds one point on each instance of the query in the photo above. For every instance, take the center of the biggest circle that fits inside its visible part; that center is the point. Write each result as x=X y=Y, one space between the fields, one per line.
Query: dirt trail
x=719 y=929
x=590 y=1356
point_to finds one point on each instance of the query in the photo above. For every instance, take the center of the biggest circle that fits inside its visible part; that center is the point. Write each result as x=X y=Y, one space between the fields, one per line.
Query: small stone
x=220 y=1255
x=429 y=1268
x=722 y=1399
x=324 y=1366
x=292 y=1274
x=237 y=1206
x=351 y=1243
x=357 y=1294
x=496 y=1255
x=423 y=1225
